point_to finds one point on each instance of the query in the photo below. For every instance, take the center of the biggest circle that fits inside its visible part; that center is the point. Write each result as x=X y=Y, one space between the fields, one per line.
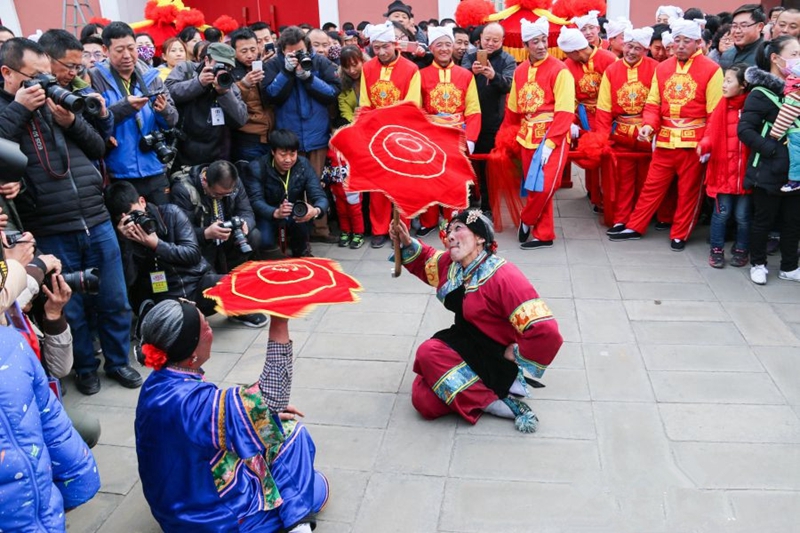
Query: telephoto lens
x=299 y=209
x=93 y=105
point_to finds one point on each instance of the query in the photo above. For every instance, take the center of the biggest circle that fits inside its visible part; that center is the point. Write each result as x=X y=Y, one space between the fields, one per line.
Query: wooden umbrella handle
x=398 y=259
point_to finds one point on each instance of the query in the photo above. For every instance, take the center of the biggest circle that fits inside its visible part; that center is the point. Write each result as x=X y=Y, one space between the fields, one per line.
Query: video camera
x=63 y=97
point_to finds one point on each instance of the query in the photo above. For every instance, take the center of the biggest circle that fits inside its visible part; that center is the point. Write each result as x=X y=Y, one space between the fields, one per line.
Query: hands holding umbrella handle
x=398 y=231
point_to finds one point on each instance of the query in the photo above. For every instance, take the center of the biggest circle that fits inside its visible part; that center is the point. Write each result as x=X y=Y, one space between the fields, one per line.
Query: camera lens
x=82 y=282
x=224 y=79
x=65 y=99
x=93 y=105
x=299 y=209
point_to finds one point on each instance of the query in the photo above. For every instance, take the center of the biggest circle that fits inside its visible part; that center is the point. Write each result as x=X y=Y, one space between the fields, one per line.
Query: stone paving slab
x=672 y=407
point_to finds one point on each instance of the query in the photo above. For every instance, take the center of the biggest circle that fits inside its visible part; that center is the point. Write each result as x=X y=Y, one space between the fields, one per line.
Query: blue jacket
x=45 y=467
x=127 y=160
x=302 y=105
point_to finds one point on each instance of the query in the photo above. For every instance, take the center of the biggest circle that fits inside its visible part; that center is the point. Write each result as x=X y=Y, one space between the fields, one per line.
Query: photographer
x=209 y=103
x=250 y=141
x=266 y=46
x=62 y=204
x=302 y=84
x=135 y=95
x=66 y=56
x=277 y=184
x=160 y=252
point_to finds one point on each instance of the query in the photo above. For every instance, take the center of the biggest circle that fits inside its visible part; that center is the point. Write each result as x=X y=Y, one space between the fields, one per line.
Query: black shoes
x=378 y=241
x=616 y=228
x=253 y=320
x=422 y=231
x=125 y=376
x=677 y=245
x=662 y=226
x=625 y=235
x=535 y=244
x=523 y=234
x=89 y=383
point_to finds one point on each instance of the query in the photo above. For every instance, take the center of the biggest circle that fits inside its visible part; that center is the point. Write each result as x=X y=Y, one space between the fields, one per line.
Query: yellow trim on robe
x=414 y=93
x=714 y=91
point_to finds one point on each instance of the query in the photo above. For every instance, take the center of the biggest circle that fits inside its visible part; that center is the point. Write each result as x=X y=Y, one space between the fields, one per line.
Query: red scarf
x=718 y=131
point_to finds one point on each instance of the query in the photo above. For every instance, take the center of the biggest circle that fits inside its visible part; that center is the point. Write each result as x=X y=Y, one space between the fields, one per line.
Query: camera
x=142 y=219
x=156 y=141
x=304 y=59
x=59 y=95
x=13 y=237
x=235 y=224
x=299 y=209
x=12 y=161
x=92 y=105
x=223 y=76
x=83 y=282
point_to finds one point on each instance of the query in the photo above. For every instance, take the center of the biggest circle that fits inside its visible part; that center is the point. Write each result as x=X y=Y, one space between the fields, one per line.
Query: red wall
x=372 y=10
x=45 y=14
x=275 y=12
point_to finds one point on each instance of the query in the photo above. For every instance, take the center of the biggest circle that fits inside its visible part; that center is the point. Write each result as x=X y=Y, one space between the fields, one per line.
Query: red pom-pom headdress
x=225 y=24
x=154 y=357
x=99 y=20
x=578 y=8
x=189 y=17
x=473 y=12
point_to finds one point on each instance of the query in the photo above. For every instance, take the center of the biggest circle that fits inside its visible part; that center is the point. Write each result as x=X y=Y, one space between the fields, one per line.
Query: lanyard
x=284 y=182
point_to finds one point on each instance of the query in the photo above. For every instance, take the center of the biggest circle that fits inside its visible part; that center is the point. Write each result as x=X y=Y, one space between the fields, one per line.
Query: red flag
x=398 y=151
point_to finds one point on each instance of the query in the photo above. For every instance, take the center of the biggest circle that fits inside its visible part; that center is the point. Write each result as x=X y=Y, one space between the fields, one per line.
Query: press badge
x=217 y=116
x=158 y=280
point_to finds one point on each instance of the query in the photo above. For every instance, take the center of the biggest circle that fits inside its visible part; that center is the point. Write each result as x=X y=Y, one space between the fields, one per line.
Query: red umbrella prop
x=398 y=151
x=290 y=288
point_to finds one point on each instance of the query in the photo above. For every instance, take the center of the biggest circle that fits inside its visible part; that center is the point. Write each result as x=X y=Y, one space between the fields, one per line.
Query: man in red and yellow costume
x=449 y=97
x=386 y=79
x=620 y=114
x=615 y=31
x=586 y=63
x=685 y=90
x=589 y=26
x=542 y=104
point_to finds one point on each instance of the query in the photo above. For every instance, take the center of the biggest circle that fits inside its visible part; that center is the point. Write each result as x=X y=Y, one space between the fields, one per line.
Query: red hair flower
x=154 y=357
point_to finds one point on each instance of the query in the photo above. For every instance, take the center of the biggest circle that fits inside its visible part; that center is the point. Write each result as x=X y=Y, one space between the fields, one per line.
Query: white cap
x=590 y=18
x=672 y=12
x=437 y=32
x=617 y=26
x=534 y=29
x=641 y=36
x=571 y=40
x=666 y=39
x=687 y=28
x=380 y=32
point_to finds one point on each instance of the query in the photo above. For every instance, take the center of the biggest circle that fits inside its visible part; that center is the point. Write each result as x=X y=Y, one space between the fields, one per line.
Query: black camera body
x=157 y=142
x=299 y=209
x=235 y=224
x=61 y=96
x=223 y=76
x=144 y=220
x=304 y=59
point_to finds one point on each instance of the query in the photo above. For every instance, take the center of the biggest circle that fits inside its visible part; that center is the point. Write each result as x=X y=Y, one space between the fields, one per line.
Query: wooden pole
x=398 y=260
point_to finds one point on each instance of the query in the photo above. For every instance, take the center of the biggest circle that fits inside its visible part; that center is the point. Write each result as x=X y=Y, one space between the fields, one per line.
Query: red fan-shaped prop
x=289 y=288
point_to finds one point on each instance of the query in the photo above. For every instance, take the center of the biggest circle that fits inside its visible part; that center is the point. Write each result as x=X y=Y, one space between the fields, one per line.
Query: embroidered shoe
x=525 y=420
x=344 y=240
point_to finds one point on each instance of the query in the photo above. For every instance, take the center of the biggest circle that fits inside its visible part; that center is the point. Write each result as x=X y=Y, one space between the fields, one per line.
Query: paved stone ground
x=672 y=407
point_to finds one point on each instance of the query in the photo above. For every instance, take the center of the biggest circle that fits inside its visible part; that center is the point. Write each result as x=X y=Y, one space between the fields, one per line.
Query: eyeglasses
x=96 y=55
x=742 y=26
x=72 y=67
x=29 y=76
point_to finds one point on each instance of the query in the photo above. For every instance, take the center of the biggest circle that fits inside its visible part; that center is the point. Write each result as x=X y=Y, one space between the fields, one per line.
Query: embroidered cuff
x=534 y=369
x=409 y=253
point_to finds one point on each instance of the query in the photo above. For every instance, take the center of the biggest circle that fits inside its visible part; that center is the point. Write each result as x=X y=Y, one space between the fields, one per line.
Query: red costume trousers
x=434 y=360
x=538 y=211
x=430 y=218
x=667 y=163
x=629 y=177
x=380 y=213
x=351 y=217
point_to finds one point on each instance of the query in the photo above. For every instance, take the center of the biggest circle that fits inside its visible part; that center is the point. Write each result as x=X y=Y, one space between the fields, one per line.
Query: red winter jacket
x=728 y=163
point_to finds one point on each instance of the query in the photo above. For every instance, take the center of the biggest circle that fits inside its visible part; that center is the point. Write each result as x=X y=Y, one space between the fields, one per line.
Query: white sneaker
x=758 y=274
x=792 y=275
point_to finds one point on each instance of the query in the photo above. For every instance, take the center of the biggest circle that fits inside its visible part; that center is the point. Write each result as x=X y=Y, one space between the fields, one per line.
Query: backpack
x=183 y=177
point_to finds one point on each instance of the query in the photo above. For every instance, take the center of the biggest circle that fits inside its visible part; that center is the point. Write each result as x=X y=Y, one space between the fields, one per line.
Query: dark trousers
x=783 y=209
x=297 y=235
x=227 y=255
x=155 y=189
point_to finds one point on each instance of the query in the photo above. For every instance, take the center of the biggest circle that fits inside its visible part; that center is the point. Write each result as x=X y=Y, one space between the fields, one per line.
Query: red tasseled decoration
x=99 y=20
x=226 y=24
x=592 y=146
x=154 y=357
x=473 y=12
x=160 y=14
x=530 y=5
x=190 y=17
x=578 y=8
x=504 y=174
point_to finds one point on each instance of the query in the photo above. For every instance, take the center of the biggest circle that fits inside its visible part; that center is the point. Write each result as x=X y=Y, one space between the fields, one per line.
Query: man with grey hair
x=493 y=80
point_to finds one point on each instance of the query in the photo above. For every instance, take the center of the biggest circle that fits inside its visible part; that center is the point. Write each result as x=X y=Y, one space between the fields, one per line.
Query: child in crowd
x=786 y=124
x=727 y=158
